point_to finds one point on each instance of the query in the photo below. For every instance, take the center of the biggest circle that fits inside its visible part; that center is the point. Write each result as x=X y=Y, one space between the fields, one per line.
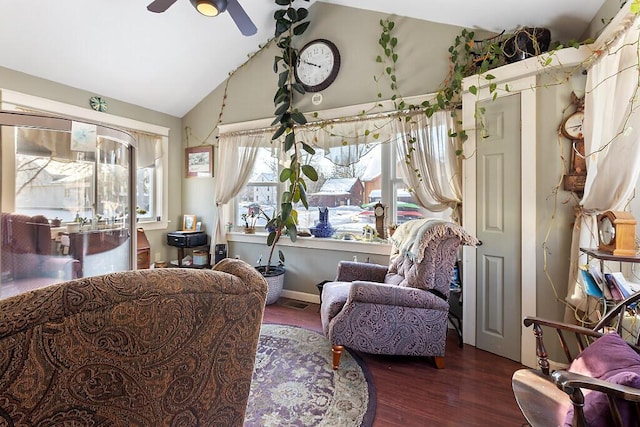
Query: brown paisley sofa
x=163 y=347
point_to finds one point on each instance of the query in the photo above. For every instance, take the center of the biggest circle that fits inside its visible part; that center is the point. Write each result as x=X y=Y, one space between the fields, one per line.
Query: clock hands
x=311 y=63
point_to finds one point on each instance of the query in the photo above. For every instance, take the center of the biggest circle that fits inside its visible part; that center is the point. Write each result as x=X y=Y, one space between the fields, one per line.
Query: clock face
x=379 y=211
x=318 y=65
x=572 y=126
x=606 y=231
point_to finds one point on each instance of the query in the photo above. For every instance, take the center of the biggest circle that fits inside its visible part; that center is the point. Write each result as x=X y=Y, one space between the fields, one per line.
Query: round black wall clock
x=318 y=65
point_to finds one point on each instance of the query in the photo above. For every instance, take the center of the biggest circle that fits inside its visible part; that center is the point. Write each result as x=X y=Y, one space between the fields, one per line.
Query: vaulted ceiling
x=168 y=62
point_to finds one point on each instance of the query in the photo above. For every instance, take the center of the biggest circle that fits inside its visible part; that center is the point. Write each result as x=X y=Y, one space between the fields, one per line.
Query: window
x=261 y=193
x=151 y=181
x=349 y=191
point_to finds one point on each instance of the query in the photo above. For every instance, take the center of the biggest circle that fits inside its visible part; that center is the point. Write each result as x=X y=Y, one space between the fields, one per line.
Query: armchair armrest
x=380 y=293
x=349 y=271
x=568 y=381
x=583 y=337
x=572 y=384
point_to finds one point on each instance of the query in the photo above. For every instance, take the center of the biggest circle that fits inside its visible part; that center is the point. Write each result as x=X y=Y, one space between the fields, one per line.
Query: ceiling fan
x=213 y=8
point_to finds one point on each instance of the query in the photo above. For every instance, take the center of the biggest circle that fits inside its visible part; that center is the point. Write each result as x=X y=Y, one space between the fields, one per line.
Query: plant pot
x=525 y=43
x=249 y=230
x=275 y=280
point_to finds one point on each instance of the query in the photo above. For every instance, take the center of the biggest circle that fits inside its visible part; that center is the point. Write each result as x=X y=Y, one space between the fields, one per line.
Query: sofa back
x=138 y=348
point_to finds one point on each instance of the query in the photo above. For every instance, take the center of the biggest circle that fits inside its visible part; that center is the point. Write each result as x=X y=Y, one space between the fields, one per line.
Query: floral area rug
x=294 y=385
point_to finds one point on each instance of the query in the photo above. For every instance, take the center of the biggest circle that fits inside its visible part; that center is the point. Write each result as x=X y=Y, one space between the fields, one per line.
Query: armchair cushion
x=349 y=271
x=611 y=359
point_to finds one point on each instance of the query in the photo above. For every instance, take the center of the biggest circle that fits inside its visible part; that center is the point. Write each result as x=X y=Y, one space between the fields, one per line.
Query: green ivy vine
x=290 y=22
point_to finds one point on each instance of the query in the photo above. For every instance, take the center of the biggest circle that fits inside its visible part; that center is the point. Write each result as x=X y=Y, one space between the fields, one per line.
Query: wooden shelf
x=605 y=256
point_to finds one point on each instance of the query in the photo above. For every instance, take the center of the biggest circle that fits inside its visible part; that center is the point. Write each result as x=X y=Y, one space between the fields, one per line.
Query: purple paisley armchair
x=160 y=347
x=401 y=309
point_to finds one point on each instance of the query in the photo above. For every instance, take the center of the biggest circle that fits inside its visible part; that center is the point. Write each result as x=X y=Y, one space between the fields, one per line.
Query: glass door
x=67 y=202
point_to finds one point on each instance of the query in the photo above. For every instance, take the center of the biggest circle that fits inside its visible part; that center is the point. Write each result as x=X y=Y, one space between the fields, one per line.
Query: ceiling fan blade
x=241 y=18
x=159 y=6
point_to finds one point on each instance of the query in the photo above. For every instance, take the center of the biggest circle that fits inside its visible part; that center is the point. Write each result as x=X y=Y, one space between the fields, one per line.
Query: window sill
x=315 y=243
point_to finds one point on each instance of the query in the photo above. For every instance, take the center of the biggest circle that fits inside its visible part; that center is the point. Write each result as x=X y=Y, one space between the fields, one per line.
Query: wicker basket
x=275 y=280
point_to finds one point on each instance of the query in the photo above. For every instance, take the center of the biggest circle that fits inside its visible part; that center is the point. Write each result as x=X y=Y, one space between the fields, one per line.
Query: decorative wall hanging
x=199 y=161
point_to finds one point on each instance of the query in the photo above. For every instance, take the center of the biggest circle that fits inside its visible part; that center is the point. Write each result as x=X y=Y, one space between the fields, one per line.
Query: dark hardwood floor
x=474 y=389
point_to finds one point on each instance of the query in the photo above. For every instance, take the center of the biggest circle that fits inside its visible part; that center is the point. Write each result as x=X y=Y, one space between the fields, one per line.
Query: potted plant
x=249 y=219
x=290 y=23
x=274 y=274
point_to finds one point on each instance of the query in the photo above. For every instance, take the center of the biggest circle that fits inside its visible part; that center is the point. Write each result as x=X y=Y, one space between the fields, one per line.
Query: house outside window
x=350 y=191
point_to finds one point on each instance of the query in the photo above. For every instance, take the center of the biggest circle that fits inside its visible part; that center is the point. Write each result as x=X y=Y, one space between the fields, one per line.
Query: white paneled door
x=498 y=186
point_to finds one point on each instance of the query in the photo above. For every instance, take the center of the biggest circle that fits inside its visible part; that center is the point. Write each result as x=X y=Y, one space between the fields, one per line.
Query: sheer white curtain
x=149 y=148
x=612 y=145
x=236 y=156
x=345 y=141
x=433 y=168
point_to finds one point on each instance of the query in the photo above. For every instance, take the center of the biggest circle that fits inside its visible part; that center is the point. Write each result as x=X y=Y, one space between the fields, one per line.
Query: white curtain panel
x=428 y=162
x=612 y=147
x=345 y=141
x=237 y=154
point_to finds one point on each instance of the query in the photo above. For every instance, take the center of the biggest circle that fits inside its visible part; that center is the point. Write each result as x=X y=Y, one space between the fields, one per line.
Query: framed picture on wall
x=189 y=223
x=199 y=161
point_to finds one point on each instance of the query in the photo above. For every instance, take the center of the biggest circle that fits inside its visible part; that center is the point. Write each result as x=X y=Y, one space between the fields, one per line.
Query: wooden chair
x=545 y=399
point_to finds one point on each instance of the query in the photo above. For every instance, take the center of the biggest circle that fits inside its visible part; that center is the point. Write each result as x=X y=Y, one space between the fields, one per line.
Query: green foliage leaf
x=282 y=108
x=278 y=133
x=298 y=88
x=285 y=174
x=271 y=238
x=310 y=172
x=282 y=26
x=378 y=58
x=299 y=29
x=473 y=90
x=302 y=13
x=299 y=118
x=309 y=149
x=289 y=140
x=282 y=78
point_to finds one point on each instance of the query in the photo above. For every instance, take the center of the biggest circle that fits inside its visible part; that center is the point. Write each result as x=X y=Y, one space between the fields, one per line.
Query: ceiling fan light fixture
x=210 y=7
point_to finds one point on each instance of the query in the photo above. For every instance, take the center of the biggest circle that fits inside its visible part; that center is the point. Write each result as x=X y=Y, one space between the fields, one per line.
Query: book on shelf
x=590 y=285
x=600 y=280
x=613 y=287
x=626 y=287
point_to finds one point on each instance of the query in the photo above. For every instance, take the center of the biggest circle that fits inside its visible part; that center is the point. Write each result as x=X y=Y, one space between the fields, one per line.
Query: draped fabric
x=436 y=185
x=612 y=145
x=57 y=145
x=345 y=141
x=237 y=154
x=149 y=148
x=430 y=166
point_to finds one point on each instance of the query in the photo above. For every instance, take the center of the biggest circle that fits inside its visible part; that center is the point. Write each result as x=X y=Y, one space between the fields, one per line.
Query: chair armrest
x=572 y=384
x=349 y=271
x=568 y=381
x=399 y=296
x=530 y=320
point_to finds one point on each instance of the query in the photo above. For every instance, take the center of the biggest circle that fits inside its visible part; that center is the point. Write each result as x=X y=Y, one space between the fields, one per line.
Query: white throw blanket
x=412 y=237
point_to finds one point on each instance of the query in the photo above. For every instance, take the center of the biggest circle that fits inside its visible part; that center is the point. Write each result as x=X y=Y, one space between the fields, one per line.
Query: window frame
x=13 y=101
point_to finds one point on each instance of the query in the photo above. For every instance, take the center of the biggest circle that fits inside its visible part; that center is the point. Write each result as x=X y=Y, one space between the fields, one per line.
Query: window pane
x=145 y=193
x=52 y=188
x=261 y=193
x=344 y=190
